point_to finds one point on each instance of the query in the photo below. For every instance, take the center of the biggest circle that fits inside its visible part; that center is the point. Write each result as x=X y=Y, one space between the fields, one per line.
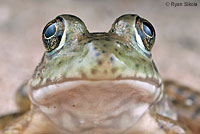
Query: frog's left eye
x=52 y=34
x=146 y=32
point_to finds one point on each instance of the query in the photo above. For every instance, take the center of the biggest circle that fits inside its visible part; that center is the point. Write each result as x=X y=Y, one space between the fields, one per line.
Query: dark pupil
x=50 y=31
x=147 y=29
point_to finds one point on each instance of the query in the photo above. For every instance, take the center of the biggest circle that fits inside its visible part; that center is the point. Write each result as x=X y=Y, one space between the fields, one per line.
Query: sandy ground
x=176 y=51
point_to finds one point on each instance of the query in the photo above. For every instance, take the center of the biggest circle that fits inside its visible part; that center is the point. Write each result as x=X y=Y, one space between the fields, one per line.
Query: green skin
x=103 y=52
x=99 y=59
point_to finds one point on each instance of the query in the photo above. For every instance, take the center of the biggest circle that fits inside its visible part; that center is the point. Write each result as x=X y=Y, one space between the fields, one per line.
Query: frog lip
x=41 y=95
x=156 y=82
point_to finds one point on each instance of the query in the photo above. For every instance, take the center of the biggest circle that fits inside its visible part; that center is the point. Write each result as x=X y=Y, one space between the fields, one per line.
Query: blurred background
x=176 y=51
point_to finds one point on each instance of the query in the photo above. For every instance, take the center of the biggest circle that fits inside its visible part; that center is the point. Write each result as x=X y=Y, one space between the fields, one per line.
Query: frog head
x=96 y=80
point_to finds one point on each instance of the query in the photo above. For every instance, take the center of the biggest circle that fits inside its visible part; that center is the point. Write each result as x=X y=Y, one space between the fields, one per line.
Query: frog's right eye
x=52 y=34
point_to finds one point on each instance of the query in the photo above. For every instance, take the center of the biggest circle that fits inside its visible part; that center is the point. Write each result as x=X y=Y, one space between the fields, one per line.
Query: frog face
x=94 y=79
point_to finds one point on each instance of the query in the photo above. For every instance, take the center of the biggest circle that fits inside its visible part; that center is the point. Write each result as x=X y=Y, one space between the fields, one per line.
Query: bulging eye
x=146 y=32
x=52 y=34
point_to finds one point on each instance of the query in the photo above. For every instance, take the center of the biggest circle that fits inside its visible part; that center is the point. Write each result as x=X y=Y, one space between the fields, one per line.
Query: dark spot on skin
x=54 y=107
x=111 y=59
x=104 y=45
x=94 y=71
x=126 y=45
x=118 y=42
x=59 y=62
x=113 y=70
x=103 y=51
x=99 y=62
x=97 y=54
x=137 y=65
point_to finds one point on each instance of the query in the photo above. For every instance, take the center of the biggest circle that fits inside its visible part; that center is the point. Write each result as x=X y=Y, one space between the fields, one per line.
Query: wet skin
x=102 y=83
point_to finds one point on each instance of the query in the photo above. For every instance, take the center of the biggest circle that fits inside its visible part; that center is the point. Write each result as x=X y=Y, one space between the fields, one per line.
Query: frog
x=100 y=82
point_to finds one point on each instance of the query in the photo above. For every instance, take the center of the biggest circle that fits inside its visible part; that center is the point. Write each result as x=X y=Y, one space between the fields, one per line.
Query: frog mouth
x=147 y=91
x=113 y=105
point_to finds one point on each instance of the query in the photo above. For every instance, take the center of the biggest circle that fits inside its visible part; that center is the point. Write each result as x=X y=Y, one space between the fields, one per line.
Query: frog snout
x=99 y=62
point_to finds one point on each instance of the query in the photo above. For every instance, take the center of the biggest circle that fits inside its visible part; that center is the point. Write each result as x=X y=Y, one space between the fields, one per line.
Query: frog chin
x=107 y=105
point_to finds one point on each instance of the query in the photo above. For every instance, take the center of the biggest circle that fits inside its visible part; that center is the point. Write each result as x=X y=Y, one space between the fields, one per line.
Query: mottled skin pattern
x=102 y=83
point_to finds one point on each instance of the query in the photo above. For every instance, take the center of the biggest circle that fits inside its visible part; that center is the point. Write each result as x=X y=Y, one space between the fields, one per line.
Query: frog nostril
x=111 y=59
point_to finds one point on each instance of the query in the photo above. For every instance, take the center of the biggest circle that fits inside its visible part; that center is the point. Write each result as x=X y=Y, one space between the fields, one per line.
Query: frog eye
x=146 y=32
x=52 y=34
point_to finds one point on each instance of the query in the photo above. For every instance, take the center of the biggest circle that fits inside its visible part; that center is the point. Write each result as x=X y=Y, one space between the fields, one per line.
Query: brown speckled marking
x=113 y=70
x=83 y=75
x=99 y=62
x=94 y=71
